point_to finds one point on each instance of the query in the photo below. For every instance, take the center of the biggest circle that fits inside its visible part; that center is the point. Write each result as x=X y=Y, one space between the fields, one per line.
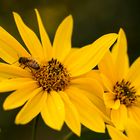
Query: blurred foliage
x=92 y=18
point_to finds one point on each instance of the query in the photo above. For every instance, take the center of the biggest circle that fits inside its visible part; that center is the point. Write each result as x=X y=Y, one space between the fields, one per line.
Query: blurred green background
x=92 y=18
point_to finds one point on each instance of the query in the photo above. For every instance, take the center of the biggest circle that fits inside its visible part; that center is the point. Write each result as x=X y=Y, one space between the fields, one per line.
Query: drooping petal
x=10 y=48
x=93 y=90
x=32 y=108
x=107 y=67
x=20 y=96
x=133 y=73
x=53 y=113
x=47 y=47
x=71 y=115
x=119 y=117
x=119 y=54
x=14 y=84
x=115 y=134
x=86 y=58
x=89 y=114
x=62 y=40
x=13 y=71
x=110 y=102
x=29 y=37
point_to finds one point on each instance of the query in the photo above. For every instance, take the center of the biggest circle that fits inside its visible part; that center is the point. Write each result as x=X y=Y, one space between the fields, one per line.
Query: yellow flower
x=132 y=131
x=51 y=83
x=122 y=83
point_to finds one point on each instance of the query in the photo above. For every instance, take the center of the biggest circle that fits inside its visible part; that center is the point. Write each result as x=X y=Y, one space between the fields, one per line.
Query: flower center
x=52 y=76
x=125 y=92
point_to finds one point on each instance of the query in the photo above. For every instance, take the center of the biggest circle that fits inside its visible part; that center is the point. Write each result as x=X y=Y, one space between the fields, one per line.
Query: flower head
x=47 y=79
x=121 y=83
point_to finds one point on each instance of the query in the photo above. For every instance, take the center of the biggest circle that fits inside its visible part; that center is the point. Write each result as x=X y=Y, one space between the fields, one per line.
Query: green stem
x=35 y=121
x=68 y=136
x=71 y=134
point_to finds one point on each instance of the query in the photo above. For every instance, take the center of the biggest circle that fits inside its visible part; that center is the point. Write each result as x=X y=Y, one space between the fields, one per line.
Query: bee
x=28 y=62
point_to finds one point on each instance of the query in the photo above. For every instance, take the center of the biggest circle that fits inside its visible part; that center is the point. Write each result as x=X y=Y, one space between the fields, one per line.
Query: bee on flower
x=55 y=88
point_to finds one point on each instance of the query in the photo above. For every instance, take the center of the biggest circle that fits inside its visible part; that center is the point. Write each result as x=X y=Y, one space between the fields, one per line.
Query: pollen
x=52 y=77
x=125 y=92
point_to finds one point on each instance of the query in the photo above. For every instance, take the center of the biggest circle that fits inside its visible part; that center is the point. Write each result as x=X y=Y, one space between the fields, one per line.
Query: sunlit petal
x=32 y=108
x=71 y=115
x=62 y=40
x=29 y=38
x=53 y=112
x=88 y=57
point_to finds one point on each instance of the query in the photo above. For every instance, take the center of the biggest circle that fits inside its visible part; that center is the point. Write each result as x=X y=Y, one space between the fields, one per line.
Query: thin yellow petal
x=134 y=71
x=32 y=108
x=62 y=40
x=115 y=134
x=53 y=112
x=29 y=37
x=47 y=47
x=89 y=114
x=107 y=67
x=10 y=48
x=20 y=96
x=71 y=115
x=119 y=53
x=14 y=84
x=119 y=117
x=13 y=71
x=86 y=58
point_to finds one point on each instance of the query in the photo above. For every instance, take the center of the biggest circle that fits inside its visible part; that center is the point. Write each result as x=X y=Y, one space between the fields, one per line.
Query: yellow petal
x=93 y=90
x=134 y=114
x=107 y=67
x=13 y=71
x=71 y=115
x=53 y=112
x=110 y=102
x=134 y=71
x=89 y=114
x=10 y=48
x=119 y=117
x=120 y=53
x=86 y=58
x=32 y=108
x=107 y=83
x=20 y=96
x=47 y=47
x=132 y=130
x=14 y=84
x=62 y=40
x=89 y=84
x=115 y=134
x=29 y=37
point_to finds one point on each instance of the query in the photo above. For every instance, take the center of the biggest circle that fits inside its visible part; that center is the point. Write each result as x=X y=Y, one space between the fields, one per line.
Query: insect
x=28 y=62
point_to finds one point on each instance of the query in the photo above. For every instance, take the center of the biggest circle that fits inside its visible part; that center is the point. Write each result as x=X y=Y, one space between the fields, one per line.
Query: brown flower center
x=125 y=92
x=52 y=76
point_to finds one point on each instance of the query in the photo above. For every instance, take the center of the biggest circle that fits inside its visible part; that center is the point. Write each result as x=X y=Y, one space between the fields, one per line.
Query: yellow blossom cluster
x=60 y=83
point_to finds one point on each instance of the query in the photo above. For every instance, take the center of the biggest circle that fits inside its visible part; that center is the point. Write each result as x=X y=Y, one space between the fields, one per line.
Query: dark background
x=92 y=18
